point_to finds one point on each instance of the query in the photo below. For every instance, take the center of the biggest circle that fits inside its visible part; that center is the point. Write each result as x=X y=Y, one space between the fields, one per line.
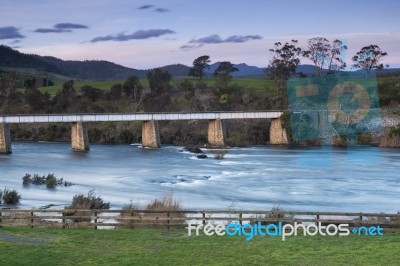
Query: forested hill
x=92 y=69
x=97 y=69
x=105 y=70
x=12 y=58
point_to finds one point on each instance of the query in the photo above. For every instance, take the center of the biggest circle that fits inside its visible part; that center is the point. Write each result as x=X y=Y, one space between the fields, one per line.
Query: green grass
x=253 y=83
x=25 y=246
x=99 y=84
x=257 y=83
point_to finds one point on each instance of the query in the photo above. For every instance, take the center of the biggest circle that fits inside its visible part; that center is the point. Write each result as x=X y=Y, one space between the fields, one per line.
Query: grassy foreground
x=25 y=246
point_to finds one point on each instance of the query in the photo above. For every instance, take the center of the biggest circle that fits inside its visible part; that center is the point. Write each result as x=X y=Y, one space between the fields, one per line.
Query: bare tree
x=284 y=62
x=325 y=55
x=368 y=58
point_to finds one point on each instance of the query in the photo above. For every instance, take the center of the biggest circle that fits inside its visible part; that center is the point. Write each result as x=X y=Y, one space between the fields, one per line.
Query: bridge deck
x=56 y=118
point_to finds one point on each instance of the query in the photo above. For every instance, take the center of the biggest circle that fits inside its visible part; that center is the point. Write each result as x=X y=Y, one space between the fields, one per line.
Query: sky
x=147 y=34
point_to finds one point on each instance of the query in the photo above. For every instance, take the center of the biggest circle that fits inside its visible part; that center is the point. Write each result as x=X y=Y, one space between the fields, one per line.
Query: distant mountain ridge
x=105 y=70
x=12 y=58
x=92 y=69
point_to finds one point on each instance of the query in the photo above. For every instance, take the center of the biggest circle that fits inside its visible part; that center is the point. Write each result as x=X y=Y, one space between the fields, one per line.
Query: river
x=257 y=178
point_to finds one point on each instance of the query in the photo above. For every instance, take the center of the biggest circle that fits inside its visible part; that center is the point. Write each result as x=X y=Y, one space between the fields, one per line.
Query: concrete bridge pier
x=277 y=134
x=79 y=137
x=151 y=134
x=216 y=133
x=5 y=139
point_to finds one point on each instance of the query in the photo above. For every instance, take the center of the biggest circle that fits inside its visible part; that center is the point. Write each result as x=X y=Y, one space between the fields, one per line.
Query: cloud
x=161 y=10
x=138 y=35
x=70 y=26
x=156 y=9
x=145 y=7
x=10 y=33
x=215 y=39
x=240 y=39
x=191 y=46
x=61 y=27
x=45 y=30
x=208 y=39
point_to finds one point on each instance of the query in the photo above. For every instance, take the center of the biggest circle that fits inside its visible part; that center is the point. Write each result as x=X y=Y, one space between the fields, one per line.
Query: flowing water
x=301 y=178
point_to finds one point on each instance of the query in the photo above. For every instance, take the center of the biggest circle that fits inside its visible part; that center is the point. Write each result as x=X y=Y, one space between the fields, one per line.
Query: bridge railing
x=99 y=117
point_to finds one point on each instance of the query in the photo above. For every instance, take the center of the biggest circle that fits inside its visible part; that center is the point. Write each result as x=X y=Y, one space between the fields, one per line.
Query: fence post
x=95 y=220
x=31 y=219
x=240 y=218
x=361 y=218
x=63 y=219
x=168 y=221
x=1 y=220
x=316 y=222
x=204 y=218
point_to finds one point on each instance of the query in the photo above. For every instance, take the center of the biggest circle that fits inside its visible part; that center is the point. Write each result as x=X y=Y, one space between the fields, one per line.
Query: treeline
x=183 y=95
x=161 y=95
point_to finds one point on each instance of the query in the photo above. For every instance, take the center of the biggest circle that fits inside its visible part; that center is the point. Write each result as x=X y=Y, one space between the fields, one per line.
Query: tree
x=37 y=100
x=156 y=99
x=8 y=89
x=115 y=92
x=159 y=80
x=368 y=58
x=284 y=61
x=188 y=88
x=132 y=88
x=90 y=93
x=199 y=64
x=335 y=60
x=223 y=72
x=325 y=55
x=66 y=97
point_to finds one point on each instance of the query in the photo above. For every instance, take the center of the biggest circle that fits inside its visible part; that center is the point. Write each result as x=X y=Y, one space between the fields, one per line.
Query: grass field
x=25 y=246
x=102 y=84
x=254 y=83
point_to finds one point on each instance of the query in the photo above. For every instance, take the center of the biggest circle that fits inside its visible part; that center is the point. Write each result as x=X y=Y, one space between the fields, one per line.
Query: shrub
x=86 y=202
x=51 y=181
x=10 y=196
x=286 y=124
x=165 y=203
x=129 y=210
x=89 y=201
x=26 y=179
x=391 y=139
x=394 y=131
x=273 y=215
x=364 y=139
x=38 y=180
x=61 y=182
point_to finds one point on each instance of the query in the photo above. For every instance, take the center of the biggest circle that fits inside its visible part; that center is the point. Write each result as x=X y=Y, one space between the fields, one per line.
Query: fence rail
x=100 y=218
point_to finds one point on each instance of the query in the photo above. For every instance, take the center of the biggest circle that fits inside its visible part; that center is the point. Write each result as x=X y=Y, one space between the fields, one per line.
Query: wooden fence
x=68 y=218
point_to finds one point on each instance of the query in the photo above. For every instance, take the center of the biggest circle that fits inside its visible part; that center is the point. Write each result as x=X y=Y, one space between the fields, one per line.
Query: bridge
x=150 y=128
